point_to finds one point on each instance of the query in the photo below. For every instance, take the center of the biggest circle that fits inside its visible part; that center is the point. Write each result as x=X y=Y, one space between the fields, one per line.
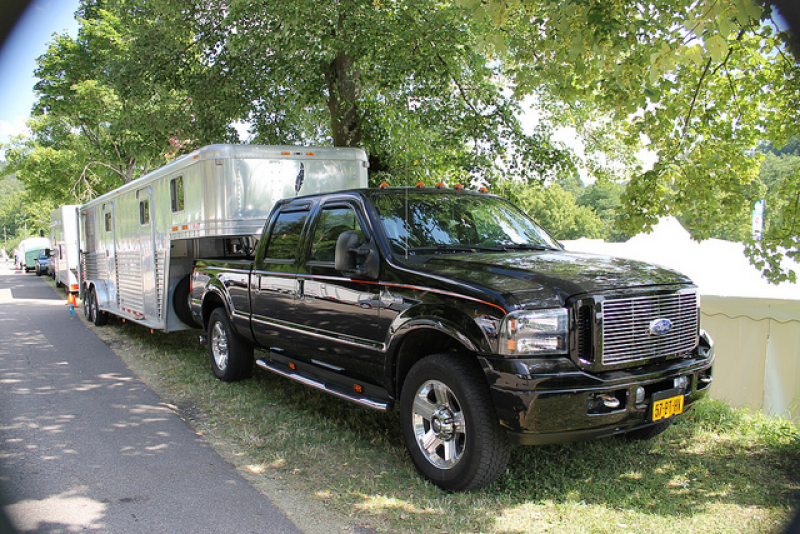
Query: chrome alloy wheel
x=439 y=425
x=219 y=346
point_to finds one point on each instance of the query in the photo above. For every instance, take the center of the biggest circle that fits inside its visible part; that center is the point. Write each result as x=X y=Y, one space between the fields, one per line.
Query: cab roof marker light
x=420 y=185
x=384 y=185
x=441 y=185
x=458 y=187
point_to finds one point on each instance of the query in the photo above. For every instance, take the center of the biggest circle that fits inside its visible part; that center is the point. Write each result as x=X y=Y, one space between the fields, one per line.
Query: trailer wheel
x=231 y=356
x=99 y=318
x=449 y=424
x=180 y=302
x=88 y=312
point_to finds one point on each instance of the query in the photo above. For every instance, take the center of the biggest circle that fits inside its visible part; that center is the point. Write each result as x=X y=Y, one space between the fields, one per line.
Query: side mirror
x=48 y=253
x=347 y=253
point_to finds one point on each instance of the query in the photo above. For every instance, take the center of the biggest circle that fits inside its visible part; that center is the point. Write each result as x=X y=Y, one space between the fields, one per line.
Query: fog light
x=609 y=401
x=640 y=395
x=682 y=382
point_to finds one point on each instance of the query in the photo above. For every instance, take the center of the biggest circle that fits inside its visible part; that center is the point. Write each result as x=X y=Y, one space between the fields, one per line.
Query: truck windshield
x=430 y=223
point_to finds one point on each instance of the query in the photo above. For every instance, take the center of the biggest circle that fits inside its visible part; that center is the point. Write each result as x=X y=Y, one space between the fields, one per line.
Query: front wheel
x=449 y=424
x=231 y=356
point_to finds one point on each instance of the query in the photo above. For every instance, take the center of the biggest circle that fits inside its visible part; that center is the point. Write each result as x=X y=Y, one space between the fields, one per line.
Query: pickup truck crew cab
x=460 y=310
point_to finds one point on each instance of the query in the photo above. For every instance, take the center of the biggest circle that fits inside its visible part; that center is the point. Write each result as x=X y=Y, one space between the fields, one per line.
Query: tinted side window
x=284 y=241
x=332 y=222
x=176 y=194
x=144 y=212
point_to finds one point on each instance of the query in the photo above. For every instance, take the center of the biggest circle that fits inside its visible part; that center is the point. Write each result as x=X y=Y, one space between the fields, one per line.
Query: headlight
x=535 y=332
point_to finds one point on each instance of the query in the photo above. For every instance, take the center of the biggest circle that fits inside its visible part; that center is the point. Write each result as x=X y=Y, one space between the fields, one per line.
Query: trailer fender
x=103 y=292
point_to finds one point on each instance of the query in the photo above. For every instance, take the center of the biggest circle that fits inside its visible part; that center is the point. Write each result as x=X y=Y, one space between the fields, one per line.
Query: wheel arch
x=424 y=338
x=211 y=301
x=101 y=292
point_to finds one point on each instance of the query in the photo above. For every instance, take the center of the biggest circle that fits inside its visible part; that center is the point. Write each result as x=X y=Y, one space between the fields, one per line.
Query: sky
x=28 y=41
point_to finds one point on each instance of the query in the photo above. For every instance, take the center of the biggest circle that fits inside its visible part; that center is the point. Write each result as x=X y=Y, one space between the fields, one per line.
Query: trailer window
x=107 y=219
x=176 y=193
x=144 y=212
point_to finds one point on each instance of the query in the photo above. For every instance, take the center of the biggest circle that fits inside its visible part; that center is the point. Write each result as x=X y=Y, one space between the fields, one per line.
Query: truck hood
x=548 y=277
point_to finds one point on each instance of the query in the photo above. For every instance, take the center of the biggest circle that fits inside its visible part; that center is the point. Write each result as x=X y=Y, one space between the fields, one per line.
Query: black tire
x=180 y=302
x=38 y=269
x=649 y=432
x=88 y=300
x=446 y=403
x=231 y=356
x=100 y=318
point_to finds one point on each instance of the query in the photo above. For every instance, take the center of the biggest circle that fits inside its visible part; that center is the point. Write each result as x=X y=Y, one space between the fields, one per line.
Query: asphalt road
x=85 y=446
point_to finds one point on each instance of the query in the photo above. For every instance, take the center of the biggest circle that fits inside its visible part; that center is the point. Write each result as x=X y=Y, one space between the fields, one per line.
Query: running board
x=282 y=371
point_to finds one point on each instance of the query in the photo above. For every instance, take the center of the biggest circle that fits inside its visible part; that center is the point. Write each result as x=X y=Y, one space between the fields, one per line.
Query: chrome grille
x=626 y=327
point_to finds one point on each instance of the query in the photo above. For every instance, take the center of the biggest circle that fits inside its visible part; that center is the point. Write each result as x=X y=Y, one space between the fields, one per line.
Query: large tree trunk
x=342 y=101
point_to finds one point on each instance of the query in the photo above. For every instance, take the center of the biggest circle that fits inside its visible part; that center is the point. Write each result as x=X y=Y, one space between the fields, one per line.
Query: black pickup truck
x=461 y=311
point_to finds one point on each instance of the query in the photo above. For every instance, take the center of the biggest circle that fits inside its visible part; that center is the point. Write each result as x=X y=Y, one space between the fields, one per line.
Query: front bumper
x=551 y=401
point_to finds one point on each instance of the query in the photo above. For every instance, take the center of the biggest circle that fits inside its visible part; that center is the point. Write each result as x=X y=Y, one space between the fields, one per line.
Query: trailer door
x=147 y=250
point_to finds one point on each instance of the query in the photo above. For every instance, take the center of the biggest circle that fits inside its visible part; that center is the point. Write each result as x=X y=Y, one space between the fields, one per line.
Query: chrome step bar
x=363 y=401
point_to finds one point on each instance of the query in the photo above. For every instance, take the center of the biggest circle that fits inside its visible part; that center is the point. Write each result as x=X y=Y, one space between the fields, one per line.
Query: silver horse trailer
x=140 y=240
x=64 y=235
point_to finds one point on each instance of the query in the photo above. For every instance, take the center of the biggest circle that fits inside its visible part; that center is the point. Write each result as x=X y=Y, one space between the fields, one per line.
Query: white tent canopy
x=717 y=267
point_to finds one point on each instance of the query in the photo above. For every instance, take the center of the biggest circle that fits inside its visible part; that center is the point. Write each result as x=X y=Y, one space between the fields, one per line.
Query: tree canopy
x=701 y=81
x=436 y=91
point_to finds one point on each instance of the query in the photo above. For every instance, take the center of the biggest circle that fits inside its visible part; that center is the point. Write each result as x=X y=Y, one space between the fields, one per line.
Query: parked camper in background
x=65 y=254
x=29 y=250
x=139 y=242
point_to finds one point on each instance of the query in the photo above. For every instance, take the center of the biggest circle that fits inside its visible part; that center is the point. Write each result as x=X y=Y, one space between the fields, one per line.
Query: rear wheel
x=100 y=318
x=88 y=301
x=231 y=356
x=449 y=424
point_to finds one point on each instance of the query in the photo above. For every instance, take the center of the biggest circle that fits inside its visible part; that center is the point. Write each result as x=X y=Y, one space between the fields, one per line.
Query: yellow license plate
x=667 y=407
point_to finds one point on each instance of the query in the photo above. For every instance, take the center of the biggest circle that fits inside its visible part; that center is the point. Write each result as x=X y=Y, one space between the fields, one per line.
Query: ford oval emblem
x=661 y=326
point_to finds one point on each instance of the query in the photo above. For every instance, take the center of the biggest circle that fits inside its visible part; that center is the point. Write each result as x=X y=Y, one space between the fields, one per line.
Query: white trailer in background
x=28 y=251
x=140 y=241
x=64 y=234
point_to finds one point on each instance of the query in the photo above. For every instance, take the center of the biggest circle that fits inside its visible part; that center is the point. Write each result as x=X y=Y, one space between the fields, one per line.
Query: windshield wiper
x=526 y=246
x=444 y=248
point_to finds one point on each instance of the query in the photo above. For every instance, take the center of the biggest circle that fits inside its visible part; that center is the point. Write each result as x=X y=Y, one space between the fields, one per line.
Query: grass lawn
x=715 y=470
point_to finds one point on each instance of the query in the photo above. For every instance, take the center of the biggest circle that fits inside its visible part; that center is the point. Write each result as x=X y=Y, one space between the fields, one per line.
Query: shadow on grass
x=714 y=458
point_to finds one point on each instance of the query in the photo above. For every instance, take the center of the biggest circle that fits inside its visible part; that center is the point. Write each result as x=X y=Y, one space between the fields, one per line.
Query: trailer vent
x=129 y=281
x=161 y=266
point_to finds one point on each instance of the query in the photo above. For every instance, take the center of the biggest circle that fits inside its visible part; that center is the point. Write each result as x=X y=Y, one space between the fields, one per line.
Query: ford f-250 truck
x=460 y=310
